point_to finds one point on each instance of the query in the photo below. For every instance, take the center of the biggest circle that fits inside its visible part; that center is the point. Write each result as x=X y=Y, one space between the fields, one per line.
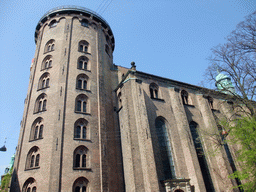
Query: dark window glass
x=84 y=106
x=32 y=161
x=46 y=65
x=84 y=160
x=85 y=65
x=52 y=47
x=77 y=160
x=43 y=82
x=37 y=160
x=79 y=84
x=41 y=131
x=36 y=131
x=84 y=132
x=84 y=189
x=85 y=85
x=39 y=105
x=44 y=104
x=78 y=107
x=85 y=48
x=77 y=189
x=156 y=93
x=80 y=64
x=47 y=82
x=34 y=189
x=84 y=23
x=49 y=48
x=151 y=93
x=78 y=132
x=50 y=63
x=81 y=47
x=28 y=190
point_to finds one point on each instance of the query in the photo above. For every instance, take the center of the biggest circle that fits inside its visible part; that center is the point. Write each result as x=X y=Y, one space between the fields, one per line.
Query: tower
x=68 y=109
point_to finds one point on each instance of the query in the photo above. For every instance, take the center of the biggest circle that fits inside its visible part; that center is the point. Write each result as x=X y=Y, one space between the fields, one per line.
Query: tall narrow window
x=83 y=46
x=80 y=160
x=154 y=91
x=167 y=168
x=80 y=129
x=83 y=63
x=37 y=129
x=201 y=157
x=184 y=97
x=81 y=103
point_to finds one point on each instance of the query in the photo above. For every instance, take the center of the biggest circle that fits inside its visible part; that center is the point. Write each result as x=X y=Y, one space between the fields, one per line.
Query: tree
x=236 y=59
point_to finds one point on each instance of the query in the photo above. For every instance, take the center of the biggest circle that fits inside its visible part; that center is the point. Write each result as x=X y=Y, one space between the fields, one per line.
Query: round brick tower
x=67 y=139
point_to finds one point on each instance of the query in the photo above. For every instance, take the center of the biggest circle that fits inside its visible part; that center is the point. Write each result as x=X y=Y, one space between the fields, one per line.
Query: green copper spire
x=224 y=84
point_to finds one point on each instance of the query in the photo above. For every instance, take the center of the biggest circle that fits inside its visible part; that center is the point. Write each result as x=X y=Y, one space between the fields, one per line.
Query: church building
x=92 y=126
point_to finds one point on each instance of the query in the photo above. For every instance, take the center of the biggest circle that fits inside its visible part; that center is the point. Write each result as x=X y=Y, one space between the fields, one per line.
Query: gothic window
x=82 y=103
x=184 y=97
x=81 y=129
x=154 y=91
x=210 y=101
x=83 y=46
x=81 y=157
x=201 y=156
x=50 y=45
x=83 y=63
x=80 y=185
x=40 y=104
x=29 y=185
x=84 y=23
x=37 y=129
x=119 y=100
x=167 y=168
x=33 y=158
x=82 y=82
x=47 y=62
x=44 y=81
x=53 y=23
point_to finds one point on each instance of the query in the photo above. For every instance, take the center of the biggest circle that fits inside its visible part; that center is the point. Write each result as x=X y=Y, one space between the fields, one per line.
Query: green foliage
x=243 y=134
x=5 y=182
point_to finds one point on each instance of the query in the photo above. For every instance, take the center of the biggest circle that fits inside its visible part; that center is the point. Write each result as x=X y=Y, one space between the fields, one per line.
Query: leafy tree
x=236 y=59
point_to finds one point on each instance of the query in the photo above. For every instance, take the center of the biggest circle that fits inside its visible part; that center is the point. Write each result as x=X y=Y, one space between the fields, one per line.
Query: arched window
x=50 y=45
x=82 y=103
x=83 y=46
x=53 y=23
x=47 y=62
x=82 y=82
x=80 y=129
x=37 y=129
x=29 y=185
x=84 y=23
x=40 y=104
x=167 y=167
x=201 y=157
x=82 y=63
x=119 y=100
x=33 y=158
x=80 y=185
x=81 y=160
x=44 y=81
x=154 y=91
x=184 y=96
x=210 y=101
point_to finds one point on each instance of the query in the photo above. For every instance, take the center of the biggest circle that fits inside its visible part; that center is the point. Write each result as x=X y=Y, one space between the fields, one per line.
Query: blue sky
x=169 y=38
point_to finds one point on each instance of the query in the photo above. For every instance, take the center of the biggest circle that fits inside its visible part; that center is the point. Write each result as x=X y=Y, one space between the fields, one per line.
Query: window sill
x=84 y=113
x=157 y=99
x=31 y=168
x=84 y=52
x=84 y=69
x=82 y=168
x=43 y=88
x=48 y=51
x=31 y=140
x=83 y=89
x=46 y=68
x=40 y=111
x=80 y=139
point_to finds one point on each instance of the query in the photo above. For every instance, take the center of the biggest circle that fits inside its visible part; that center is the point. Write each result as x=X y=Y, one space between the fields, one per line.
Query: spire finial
x=133 y=65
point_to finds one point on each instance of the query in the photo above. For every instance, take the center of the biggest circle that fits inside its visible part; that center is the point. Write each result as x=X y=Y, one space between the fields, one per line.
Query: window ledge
x=80 y=139
x=40 y=111
x=84 y=113
x=188 y=105
x=31 y=140
x=82 y=168
x=84 y=69
x=157 y=99
x=32 y=168
x=46 y=68
x=83 y=89
x=48 y=51
x=87 y=53
x=43 y=88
